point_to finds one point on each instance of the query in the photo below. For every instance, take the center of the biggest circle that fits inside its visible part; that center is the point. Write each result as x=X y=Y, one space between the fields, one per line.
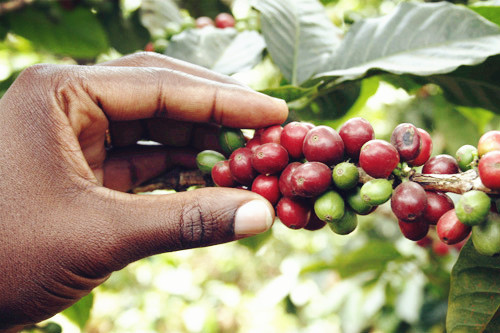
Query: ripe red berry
x=425 y=149
x=408 y=201
x=450 y=230
x=224 y=20
x=489 y=141
x=240 y=164
x=378 y=158
x=204 y=21
x=414 y=231
x=294 y=213
x=323 y=144
x=268 y=187
x=438 y=203
x=271 y=134
x=489 y=170
x=441 y=164
x=292 y=138
x=406 y=139
x=355 y=133
x=253 y=143
x=221 y=174
x=285 y=181
x=314 y=222
x=311 y=179
x=269 y=158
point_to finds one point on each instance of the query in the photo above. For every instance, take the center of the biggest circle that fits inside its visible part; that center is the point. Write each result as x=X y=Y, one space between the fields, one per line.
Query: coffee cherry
x=311 y=179
x=271 y=134
x=450 y=230
x=323 y=144
x=466 y=156
x=314 y=223
x=253 y=143
x=489 y=141
x=415 y=230
x=240 y=164
x=292 y=138
x=329 y=206
x=378 y=158
x=294 y=213
x=486 y=236
x=406 y=139
x=408 y=201
x=269 y=158
x=425 y=149
x=206 y=159
x=355 y=133
x=473 y=207
x=345 y=175
x=204 y=21
x=224 y=20
x=285 y=180
x=489 y=170
x=438 y=203
x=441 y=164
x=356 y=203
x=346 y=224
x=267 y=186
x=441 y=249
x=231 y=139
x=221 y=174
x=376 y=191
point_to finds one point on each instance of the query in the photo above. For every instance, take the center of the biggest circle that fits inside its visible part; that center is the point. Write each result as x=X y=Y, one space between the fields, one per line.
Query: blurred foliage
x=373 y=280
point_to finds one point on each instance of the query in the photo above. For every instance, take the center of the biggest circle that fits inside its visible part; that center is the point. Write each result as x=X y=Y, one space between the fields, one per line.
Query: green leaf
x=290 y=93
x=474 y=293
x=76 y=33
x=417 y=38
x=299 y=36
x=79 y=313
x=223 y=50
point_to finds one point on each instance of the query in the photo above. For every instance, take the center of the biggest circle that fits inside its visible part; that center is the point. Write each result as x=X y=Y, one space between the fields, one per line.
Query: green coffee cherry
x=486 y=236
x=472 y=208
x=376 y=191
x=356 y=203
x=205 y=160
x=345 y=175
x=329 y=206
x=346 y=224
x=466 y=157
x=231 y=139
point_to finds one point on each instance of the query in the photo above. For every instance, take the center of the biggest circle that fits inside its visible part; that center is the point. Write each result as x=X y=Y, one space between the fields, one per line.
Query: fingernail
x=253 y=217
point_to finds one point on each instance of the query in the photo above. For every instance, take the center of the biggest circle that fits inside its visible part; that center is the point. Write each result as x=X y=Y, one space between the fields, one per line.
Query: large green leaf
x=223 y=50
x=299 y=36
x=76 y=33
x=474 y=294
x=419 y=39
x=79 y=313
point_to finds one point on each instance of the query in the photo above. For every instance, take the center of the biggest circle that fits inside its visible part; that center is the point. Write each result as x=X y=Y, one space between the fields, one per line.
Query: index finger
x=129 y=93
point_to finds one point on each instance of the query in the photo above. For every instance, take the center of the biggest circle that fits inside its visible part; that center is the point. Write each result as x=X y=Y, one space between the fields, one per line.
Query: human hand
x=62 y=232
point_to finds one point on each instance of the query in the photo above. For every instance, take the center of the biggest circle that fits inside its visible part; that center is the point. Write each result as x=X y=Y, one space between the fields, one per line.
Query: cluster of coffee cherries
x=316 y=176
x=221 y=21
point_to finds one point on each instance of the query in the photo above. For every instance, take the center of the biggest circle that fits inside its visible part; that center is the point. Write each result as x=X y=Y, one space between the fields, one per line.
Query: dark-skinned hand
x=67 y=221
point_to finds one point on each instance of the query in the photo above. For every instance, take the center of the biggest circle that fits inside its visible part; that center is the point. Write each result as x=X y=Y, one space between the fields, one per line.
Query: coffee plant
x=426 y=166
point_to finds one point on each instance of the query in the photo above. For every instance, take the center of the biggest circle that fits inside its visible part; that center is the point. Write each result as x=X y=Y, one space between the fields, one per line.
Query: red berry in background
x=489 y=141
x=441 y=164
x=489 y=170
x=294 y=213
x=221 y=174
x=240 y=164
x=311 y=179
x=292 y=138
x=425 y=149
x=450 y=230
x=355 y=133
x=406 y=139
x=285 y=181
x=253 y=143
x=414 y=231
x=408 y=201
x=268 y=187
x=269 y=158
x=438 y=203
x=440 y=248
x=204 y=21
x=323 y=144
x=224 y=20
x=315 y=223
x=150 y=47
x=425 y=242
x=271 y=134
x=378 y=158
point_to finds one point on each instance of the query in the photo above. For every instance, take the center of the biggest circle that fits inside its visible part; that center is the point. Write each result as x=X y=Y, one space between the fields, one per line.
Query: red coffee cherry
x=224 y=20
x=425 y=149
x=489 y=141
x=240 y=164
x=204 y=21
x=314 y=222
x=355 y=133
x=408 y=201
x=414 y=231
x=271 y=134
x=406 y=139
x=450 y=230
x=221 y=174
x=294 y=213
x=489 y=169
x=292 y=138
x=378 y=158
x=311 y=179
x=323 y=144
x=268 y=187
x=438 y=203
x=441 y=164
x=285 y=180
x=269 y=158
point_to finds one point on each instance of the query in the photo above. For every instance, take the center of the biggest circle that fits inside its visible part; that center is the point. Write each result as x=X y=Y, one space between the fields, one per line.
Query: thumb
x=143 y=225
